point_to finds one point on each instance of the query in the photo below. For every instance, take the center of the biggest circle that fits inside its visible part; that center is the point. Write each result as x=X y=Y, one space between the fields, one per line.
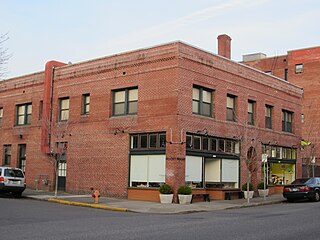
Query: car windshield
x=13 y=173
x=302 y=181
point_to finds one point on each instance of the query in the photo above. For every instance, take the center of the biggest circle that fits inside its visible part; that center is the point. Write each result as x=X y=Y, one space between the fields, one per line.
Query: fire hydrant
x=96 y=195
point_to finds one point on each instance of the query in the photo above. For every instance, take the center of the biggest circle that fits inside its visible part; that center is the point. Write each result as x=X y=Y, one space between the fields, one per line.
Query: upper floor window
x=299 y=68
x=251 y=112
x=7 y=154
x=1 y=116
x=231 y=108
x=63 y=109
x=287 y=121
x=24 y=114
x=268 y=117
x=125 y=102
x=201 y=101
x=85 y=104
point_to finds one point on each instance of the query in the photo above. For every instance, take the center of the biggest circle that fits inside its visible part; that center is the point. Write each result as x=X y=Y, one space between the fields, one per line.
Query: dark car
x=303 y=188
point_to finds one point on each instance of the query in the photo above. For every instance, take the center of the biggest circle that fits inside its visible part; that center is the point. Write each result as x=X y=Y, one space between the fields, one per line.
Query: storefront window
x=216 y=173
x=281 y=173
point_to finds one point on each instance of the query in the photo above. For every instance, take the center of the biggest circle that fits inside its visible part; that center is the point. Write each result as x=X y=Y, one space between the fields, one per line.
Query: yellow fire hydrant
x=96 y=195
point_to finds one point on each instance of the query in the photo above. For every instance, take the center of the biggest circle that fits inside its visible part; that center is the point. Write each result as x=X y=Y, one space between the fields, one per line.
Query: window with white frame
x=299 y=68
x=24 y=112
x=147 y=170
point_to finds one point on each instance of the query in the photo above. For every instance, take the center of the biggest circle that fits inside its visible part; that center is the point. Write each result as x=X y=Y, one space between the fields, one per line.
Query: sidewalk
x=148 y=207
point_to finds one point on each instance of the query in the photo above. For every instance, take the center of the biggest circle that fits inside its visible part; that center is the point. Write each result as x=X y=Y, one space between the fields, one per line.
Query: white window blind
x=157 y=168
x=230 y=170
x=139 y=168
x=212 y=170
x=193 y=169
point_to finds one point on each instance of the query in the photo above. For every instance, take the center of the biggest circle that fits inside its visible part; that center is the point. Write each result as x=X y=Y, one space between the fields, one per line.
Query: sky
x=80 y=30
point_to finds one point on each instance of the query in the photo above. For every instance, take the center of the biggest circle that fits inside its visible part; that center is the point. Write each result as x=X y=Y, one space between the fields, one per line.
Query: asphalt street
x=31 y=219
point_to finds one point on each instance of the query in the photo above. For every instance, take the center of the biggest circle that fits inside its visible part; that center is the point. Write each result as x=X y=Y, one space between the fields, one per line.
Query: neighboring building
x=127 y=123
x=302 y=68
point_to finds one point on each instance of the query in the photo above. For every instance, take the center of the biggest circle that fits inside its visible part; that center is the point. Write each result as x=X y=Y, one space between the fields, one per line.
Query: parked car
x=303 y=188
x=12 y=181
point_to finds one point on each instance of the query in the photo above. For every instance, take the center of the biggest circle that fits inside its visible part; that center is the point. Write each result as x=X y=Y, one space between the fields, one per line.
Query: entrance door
x=62 y=173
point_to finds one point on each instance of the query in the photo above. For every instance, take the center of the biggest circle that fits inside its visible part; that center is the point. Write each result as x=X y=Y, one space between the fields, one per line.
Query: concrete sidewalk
x=148 y=207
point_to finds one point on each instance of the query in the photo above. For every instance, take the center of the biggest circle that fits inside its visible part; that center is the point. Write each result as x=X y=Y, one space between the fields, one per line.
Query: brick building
x=129 y=122
x=300 y=67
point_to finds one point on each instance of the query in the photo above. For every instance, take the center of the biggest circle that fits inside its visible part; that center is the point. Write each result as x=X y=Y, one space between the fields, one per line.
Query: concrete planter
x=246 y=196
x=166 y=198
x=263 y=192
x=185 y=199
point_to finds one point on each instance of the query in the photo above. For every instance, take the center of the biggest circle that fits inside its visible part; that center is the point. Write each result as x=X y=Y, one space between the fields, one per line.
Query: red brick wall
x=164 y=75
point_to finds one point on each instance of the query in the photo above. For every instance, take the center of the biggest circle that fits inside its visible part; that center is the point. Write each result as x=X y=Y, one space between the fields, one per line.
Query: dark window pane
x=162 y=140
x=228 y=147
x=143 y=141
x=134 y=141
x=152 y=140
x=221 y=145
x=197 y=142
x=189 y=142
x=205 y=143
x=213 y=142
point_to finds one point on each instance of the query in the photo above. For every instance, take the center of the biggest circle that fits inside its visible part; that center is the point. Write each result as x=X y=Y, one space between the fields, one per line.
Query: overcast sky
x=80 y=30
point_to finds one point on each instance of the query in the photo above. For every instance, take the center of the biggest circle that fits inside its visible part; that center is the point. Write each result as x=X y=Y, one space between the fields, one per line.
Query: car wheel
x=316 y=196
x=290 y=200
x=17 y=194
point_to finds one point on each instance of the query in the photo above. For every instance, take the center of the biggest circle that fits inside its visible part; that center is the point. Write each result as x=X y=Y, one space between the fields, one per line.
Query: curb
x=79 y=204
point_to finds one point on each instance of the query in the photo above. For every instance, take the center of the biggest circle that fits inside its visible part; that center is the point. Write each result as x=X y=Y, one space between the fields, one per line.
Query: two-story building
x=127 y=123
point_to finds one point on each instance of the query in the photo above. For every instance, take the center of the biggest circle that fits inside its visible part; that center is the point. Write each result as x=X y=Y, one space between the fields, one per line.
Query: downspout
x=50 y=115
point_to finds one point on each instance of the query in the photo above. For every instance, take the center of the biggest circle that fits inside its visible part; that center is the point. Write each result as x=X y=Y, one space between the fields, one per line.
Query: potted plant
x=263 y=191
x=185 y=194
x=166 y=193
x=245 y=190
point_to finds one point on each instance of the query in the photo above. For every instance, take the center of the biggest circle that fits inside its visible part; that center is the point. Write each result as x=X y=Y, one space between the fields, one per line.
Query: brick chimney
x=224 y=46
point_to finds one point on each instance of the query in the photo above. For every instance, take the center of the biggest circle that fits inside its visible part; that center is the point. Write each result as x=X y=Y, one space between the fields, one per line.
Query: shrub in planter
x=244 y=187
x=261 y=185
x=166 y=193
x=184 y=190
x=165 y=189
x=245 y=192
x=261 y=190
x=184 y=194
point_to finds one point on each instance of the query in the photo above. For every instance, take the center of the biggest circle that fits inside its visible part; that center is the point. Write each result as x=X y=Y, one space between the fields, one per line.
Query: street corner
x=93 y=205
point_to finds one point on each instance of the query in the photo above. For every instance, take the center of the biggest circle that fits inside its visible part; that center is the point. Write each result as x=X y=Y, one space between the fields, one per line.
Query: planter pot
x=263 y=192
x=185 y=199
x=250 y=194
x=166 y=198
